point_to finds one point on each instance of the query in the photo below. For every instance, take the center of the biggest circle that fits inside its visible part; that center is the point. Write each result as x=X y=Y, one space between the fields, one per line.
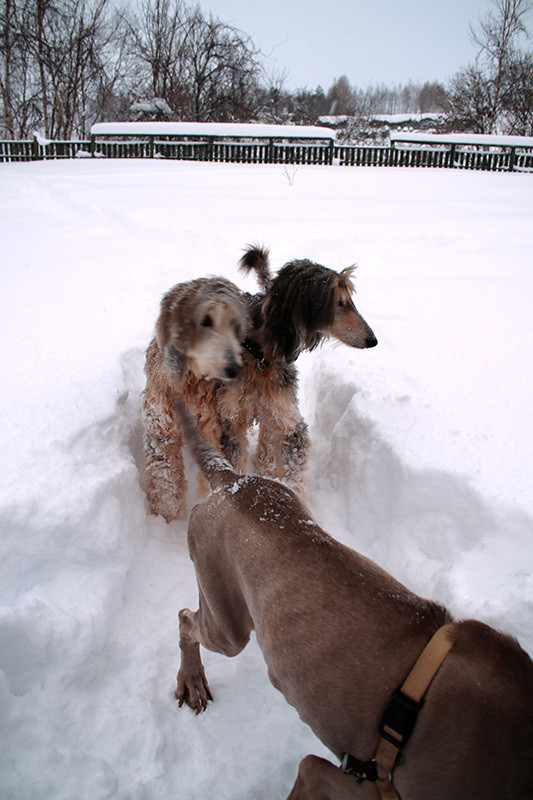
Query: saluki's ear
x=345 y=279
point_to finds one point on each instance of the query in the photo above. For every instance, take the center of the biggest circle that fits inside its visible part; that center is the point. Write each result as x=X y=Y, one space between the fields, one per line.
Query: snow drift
x=422 y=447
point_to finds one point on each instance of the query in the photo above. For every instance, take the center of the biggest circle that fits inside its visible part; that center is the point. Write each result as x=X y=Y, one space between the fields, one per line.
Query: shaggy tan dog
x=338 y=635
x=195 y=350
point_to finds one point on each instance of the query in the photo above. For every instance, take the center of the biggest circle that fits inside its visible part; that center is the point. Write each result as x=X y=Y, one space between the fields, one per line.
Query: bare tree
x=202 y=68
x=481 y=93
x=432 y=97
x=471 y=108
x=61 y=61
x=517 y=97
x=19 y=86
x=223 y=69
x=273 y=100
x=158 y=33
x=307 y=106
x=342 y=97
x=79 y=49
x=496 y=37
x=7 y=54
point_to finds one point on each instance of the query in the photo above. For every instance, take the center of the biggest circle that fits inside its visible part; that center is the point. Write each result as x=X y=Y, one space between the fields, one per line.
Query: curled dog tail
x=257 y=258
x=213 y=466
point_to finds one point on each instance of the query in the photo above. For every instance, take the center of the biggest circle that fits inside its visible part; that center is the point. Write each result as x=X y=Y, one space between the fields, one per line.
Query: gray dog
x=339 y=635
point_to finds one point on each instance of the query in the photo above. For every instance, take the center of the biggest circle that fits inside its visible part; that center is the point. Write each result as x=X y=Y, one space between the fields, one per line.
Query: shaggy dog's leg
x=234 y=412
x=234 y=441
x=212 y=427
x=319 y=779
x=166 y=486
x=283 y=442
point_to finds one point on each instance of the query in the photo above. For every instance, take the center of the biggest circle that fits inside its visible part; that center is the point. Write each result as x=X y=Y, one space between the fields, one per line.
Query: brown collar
x=400 y=716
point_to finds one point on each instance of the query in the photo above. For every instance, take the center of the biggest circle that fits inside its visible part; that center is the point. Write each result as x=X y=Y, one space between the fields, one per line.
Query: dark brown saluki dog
x=338 y=635
x=301 y=306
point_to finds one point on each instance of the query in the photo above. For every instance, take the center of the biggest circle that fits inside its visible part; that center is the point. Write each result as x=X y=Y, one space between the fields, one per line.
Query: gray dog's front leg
x=319 y=779
x=192 y=688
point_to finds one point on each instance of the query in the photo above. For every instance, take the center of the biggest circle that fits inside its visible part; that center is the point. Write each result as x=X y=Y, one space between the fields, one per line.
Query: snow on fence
x=276 y=144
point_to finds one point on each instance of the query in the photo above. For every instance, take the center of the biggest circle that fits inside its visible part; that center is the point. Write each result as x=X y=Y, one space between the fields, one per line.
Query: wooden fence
x=500 y=158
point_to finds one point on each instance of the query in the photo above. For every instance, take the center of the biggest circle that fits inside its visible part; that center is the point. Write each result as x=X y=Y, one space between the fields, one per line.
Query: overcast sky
x=369 y=41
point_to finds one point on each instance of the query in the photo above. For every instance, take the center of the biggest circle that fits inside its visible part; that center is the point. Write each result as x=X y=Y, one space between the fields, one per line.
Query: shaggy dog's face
x=201 y=328
x=215 y=348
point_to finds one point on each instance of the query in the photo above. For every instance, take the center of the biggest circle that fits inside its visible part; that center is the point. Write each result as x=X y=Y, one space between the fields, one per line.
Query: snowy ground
x=422 y=446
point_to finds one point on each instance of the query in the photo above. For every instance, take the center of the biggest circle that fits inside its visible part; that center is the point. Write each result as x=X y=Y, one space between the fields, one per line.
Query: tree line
x=65 y=64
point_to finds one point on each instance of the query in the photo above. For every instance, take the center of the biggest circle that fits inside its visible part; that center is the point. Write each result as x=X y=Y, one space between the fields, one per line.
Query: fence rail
x=500 y=158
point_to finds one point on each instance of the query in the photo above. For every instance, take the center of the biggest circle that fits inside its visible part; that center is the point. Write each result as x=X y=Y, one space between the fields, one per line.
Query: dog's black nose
x=232 y=371
x=371 y=341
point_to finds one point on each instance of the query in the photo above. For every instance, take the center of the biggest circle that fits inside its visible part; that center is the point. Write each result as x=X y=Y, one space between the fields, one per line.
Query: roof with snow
x=464 y=138
x=217 y=129
x=408 y=117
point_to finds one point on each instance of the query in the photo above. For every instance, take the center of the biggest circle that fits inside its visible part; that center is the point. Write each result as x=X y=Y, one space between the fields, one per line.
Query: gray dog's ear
x=174 y=360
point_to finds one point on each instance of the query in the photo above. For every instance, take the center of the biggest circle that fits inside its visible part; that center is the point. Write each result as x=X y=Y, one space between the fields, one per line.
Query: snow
x=158 y=105
x=464 y=138
x=391 y=118
x=227 y=129
x=422 y=446
x=408 y=117
x=40 y=139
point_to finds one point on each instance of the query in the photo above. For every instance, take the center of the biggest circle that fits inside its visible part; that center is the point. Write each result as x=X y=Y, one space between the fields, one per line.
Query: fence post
x=36 y=150
x=452 y=155
x=512 y=159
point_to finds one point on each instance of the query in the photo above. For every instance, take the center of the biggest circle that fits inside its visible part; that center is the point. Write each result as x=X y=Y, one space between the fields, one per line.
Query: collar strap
x=257 y=354
x=362 y=770
x=400 y=717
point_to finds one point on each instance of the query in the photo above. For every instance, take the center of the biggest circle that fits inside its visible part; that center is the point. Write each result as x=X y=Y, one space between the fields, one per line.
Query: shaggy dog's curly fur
x=304 y=303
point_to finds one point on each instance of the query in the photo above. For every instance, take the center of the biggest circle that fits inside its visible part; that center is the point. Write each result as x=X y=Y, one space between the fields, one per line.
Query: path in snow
x=421 y=447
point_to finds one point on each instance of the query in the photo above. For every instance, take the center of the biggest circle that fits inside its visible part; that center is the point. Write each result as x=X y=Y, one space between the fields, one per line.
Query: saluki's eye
x=207 y=321
x=341 y=302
